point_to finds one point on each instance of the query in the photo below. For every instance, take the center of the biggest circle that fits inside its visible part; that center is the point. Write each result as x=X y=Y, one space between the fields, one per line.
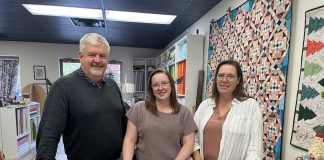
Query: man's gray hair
x=93 y=39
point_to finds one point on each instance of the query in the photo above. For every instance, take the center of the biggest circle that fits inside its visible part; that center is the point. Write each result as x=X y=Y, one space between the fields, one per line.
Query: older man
x=85 y=107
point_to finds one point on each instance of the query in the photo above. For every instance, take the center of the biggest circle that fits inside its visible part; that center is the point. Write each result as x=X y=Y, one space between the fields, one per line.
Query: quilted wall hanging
x=309 y=110
x=257 y=35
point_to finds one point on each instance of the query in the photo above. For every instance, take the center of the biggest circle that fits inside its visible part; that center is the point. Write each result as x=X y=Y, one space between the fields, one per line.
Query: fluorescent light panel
x=87 y=13
x=139 y=17
x=62 y=11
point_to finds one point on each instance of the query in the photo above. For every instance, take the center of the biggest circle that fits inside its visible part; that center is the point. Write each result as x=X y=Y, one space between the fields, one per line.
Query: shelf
x=187 y=60
x=33 y=112
x=32 y=117
x=23 y=135
x=181 y=60
x=16 y=106
x=170 y=62
x=22 y=120
x=23 y=151
x=33 y=144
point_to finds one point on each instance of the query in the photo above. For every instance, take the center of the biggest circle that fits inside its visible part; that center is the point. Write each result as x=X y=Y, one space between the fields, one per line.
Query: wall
x=47 y=54
x=298 y=19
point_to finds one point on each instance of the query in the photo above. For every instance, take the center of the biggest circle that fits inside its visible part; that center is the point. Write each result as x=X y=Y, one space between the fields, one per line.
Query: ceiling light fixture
x=87 y=13
x=139 y=17
x=75 y=12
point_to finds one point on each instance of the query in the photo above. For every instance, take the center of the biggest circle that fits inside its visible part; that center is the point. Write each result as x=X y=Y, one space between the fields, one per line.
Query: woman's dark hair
x=151 y=101
x=238 y=93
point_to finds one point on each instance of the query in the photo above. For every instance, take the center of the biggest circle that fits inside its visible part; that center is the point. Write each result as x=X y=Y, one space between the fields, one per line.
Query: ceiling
x=18 y=24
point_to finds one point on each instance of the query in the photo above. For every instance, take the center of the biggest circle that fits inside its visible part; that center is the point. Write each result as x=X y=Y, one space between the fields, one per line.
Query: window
x=113 y=71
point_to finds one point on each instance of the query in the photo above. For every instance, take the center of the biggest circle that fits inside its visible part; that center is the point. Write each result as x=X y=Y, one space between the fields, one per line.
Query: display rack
x=142 y=68
x=183 y=60
x=19 y=129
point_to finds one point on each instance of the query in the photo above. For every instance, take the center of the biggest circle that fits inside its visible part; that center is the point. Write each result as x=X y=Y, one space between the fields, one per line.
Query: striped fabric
x=242 y=130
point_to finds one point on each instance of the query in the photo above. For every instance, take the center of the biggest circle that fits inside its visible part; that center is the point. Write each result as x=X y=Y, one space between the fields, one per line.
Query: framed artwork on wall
x=39 y=72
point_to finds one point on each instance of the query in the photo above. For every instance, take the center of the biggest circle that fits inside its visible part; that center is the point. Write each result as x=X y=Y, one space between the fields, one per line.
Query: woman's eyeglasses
x=163 y=84
x=229 y=77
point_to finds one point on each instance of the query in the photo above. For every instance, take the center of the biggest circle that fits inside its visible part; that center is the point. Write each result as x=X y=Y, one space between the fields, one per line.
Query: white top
x=242 y=130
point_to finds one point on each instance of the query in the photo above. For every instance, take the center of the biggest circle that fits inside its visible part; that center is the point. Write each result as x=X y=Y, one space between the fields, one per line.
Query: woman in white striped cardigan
x=230 y=123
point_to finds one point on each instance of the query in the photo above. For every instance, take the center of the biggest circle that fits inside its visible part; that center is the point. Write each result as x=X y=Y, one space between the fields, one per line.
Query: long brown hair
x=151 y=101
x=239 y=92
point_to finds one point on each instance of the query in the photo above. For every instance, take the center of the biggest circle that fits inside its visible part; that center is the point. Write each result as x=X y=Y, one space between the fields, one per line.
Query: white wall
x=297 y=29
x=47 y=54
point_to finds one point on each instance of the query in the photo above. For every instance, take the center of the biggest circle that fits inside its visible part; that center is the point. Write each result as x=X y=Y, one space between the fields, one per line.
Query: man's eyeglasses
x=163 y=84
x=229 y=77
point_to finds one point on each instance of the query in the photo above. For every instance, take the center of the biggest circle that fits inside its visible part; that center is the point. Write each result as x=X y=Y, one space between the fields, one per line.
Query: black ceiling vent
x=3 y=35
x=88 y=22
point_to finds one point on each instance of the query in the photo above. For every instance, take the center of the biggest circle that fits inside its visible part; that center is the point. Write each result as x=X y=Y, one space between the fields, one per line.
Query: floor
x=60 y=154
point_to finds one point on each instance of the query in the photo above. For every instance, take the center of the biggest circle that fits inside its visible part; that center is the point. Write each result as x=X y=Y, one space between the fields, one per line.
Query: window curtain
x=9 y=73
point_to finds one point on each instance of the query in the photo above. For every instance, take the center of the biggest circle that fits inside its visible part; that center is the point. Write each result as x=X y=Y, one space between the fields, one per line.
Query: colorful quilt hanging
x=309 y=109
x=257 y=35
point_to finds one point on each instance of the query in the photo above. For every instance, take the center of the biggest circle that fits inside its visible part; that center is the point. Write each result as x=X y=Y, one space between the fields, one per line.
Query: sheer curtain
x=9 y=76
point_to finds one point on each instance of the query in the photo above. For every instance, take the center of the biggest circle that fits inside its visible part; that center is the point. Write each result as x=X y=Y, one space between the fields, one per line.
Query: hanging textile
x=9 y=76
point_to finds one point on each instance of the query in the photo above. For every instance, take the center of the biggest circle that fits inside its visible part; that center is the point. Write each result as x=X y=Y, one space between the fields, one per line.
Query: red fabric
x=313 y=46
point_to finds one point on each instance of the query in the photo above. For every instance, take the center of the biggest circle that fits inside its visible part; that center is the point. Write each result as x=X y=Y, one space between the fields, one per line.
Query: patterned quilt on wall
x=257 y=35
x=9 y=82
x=309 y=111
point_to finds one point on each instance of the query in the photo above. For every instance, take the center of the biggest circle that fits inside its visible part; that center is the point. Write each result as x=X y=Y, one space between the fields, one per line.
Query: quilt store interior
x=278 y=43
